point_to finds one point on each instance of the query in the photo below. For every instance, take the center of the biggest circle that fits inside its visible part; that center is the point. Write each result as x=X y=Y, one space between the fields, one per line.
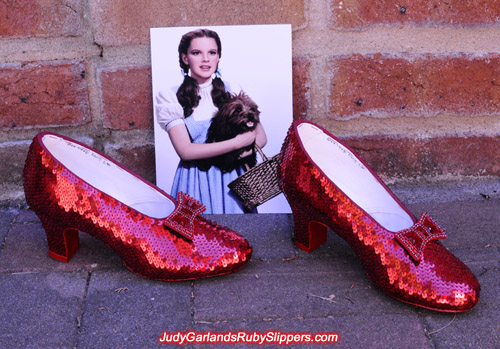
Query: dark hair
x=187 y=94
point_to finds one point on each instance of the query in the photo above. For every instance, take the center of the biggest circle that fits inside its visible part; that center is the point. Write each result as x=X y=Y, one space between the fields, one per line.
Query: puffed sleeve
x=168 y=110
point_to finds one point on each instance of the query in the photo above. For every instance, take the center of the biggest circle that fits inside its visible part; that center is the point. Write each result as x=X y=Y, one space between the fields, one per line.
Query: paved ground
x=95 y=302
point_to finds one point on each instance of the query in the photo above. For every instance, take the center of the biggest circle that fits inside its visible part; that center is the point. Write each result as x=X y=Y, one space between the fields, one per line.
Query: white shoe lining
x=343 y=168
x=109 y=178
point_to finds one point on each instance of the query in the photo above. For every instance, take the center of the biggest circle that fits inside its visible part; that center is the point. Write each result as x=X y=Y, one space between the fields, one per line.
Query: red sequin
x=181 y=246
x=421 y=272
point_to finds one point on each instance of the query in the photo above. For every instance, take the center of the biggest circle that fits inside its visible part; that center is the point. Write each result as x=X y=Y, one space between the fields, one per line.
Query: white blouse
x=169 y=112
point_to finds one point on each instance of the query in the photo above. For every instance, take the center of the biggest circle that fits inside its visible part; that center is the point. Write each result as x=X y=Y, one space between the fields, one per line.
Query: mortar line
x=82 y=310
x=191 y=308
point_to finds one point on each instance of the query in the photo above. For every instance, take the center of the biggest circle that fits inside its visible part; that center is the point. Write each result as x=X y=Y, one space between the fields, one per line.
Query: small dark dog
x=239 y=115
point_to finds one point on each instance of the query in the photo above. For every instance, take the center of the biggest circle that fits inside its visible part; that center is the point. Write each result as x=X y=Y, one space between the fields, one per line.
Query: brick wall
x=413 y=87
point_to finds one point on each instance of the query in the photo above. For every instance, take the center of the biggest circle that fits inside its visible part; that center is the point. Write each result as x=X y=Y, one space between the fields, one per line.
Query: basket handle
x=264 y=157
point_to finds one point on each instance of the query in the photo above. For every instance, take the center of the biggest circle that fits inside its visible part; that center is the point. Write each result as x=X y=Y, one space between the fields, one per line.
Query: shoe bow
x=422 y=232
x=182 y=218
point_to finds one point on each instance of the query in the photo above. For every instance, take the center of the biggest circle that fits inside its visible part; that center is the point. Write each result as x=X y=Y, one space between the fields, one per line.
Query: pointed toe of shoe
x=454 y=286
x=214 y=250
x=439 y=281
x=223 y=249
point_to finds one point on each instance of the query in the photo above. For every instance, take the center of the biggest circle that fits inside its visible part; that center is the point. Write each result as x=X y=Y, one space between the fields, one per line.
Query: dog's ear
x=246 y=99
x=255 y=108
x=226 y=110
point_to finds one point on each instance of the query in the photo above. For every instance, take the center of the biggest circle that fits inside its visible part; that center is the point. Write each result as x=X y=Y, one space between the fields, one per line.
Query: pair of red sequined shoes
x=72 y=188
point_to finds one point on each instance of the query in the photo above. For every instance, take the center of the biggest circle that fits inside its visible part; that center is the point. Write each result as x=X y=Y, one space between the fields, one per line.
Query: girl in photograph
x=186 y=112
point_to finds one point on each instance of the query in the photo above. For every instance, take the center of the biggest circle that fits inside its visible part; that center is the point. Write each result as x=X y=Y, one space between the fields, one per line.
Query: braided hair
x=187 y=94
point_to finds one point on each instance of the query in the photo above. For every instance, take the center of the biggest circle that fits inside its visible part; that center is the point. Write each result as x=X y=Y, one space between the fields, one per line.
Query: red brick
x=301 y=87
x=358 y=14
x=404 y=157
x=43 y=94
x=41 y=18
x=139 y=159
x=127 y=101
x=125 y=22
x=421 y=85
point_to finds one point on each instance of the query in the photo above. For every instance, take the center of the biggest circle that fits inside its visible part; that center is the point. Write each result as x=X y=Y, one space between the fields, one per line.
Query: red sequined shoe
x=327 y=185
x=72 y=188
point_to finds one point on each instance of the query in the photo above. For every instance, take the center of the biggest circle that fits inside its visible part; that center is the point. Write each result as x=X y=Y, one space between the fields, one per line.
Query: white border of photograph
x=256 y=58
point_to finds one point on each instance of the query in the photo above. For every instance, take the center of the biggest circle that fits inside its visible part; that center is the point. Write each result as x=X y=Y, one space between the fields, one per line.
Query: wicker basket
x=259 y=184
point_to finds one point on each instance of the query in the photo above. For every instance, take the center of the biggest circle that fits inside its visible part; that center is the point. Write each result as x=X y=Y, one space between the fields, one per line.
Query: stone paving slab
x=479 y=261
x=6 y=218
x=24 y=215
x=354 y=331
x=308 y=288
x=126 y=310
x=95 y=302
x=444 y=192
x=478 y=328
x=27 y=242
x=40 y=309
x=466 y=228
x=270 y=239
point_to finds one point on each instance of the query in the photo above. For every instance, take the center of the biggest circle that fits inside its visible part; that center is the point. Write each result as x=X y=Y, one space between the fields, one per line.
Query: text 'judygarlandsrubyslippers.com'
x=270 y=337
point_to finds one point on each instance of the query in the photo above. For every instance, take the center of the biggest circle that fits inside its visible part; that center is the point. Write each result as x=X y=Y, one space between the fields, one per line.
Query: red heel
x=72 y=188
x=309 y=234
x=63 y=242
x=66 y=242
x=328 y=185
